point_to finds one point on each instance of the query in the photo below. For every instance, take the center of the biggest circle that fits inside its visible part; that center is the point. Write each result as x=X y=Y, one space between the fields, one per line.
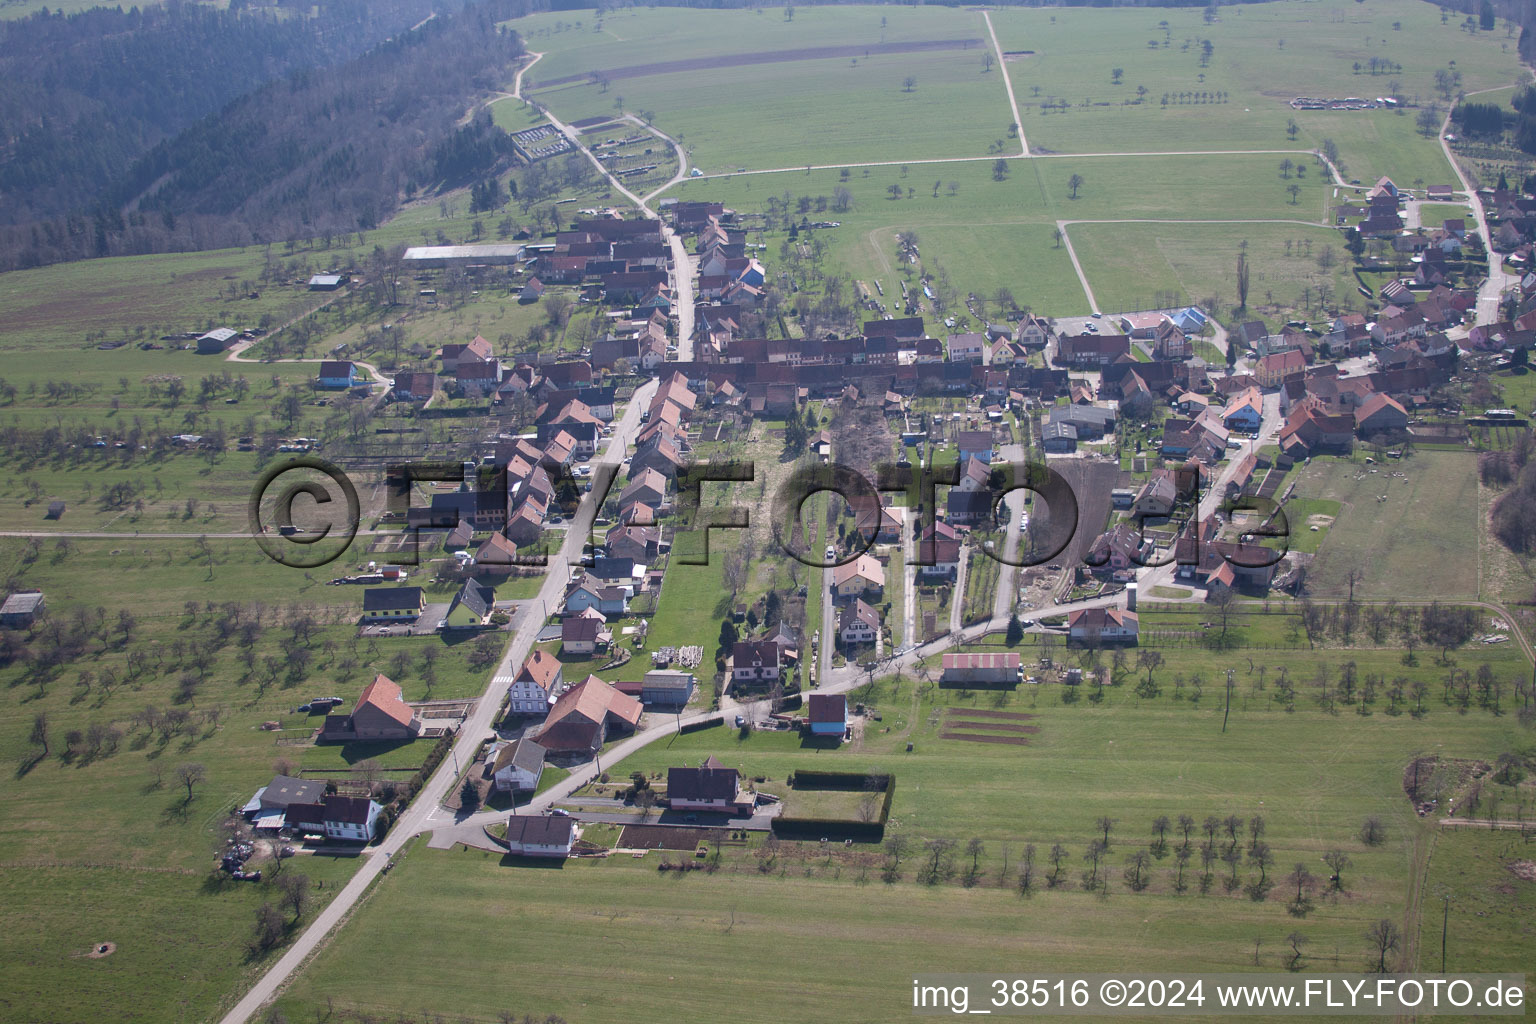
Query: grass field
x=1130 y=265
x=1261 y=57
x=986 y=234
x=1432 y=508
x=1311 y=776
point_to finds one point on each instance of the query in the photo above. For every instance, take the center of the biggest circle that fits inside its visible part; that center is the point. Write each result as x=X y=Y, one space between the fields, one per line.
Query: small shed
x=55 y=510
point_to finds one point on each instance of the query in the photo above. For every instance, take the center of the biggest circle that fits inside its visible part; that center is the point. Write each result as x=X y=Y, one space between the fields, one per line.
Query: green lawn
x=1261 y=56
x=1134 y=266
x=1422 y=541
x=1312 y=777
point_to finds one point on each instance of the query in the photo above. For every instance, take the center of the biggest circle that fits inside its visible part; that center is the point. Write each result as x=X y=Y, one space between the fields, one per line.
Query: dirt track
x=763 y=57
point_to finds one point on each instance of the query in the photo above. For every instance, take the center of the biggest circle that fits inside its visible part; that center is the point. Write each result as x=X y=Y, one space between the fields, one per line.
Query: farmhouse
x=350 y=818
x=540 y=835
x=982 y=669
x=583 y=716
x=536 y=685
x=1103 y=625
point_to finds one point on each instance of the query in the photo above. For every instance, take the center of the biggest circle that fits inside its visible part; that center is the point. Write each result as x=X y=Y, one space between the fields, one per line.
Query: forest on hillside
x=322 y=150
x=83 y=96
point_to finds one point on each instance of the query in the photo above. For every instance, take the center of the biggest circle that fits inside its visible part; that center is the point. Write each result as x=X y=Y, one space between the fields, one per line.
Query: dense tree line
x=320 y=151
x=1479 y=118
x=84 y=95
x=1513 y=518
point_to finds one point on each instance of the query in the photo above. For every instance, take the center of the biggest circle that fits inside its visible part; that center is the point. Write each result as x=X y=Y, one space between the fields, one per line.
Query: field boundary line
x=1002 y=65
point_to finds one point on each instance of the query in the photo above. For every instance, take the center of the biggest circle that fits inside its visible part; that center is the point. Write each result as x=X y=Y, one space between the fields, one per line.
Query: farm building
x=666 y=688
x=402 y=604
x=20 y=611
x=982 y=669
x=435 y=257
x=217 y=340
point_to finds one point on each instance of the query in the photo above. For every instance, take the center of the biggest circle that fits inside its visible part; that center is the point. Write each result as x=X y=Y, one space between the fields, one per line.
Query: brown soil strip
x=663 y=837
x=1012 y=716
x=1001 y=727
x=975 y=737
x=763 y=57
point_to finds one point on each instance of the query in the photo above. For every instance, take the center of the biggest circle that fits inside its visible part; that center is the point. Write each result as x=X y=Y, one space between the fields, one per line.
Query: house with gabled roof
x=1380 y=414
x=471 y=607
x=1274 y=368
x=648 y=487
x=1103 y=625
x=612 y=600
x=586 y=632
x=381 y=713
x=516 y=767
x=338 y=373
x=709 y=787
x=858 y=623
x=403 y=604
x=859 y=577
x=1244 y=411
x=584 y=716
x=756 y=661
x=827 y=715
x=540 y=835
x=536 y=685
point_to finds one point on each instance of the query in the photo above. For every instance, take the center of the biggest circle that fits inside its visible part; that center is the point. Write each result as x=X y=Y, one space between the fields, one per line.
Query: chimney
x=1130 y=597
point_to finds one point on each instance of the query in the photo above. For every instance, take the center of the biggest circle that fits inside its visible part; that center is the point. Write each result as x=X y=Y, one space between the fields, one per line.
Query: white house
x=1108 y=625
x=350 y=817
x=858 y=624
x=541 y=835
x=710 y=787
x=537 y=685
x=517 y=766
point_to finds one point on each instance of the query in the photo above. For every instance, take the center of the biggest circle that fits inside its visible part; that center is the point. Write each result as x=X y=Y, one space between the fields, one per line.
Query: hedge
x=840 y=828
x=807 y=778
x=828 y=828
